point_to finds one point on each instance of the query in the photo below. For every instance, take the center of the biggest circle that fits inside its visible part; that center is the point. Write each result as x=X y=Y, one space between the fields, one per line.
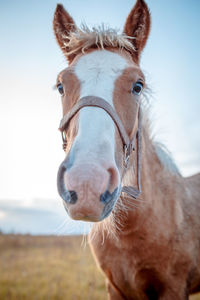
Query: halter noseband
x=128 y=144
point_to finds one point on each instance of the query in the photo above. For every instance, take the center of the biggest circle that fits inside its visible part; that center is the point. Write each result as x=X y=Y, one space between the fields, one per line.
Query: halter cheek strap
x=130 y=190
x=128 y=145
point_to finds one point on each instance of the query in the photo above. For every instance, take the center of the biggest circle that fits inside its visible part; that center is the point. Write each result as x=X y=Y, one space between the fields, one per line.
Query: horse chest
x=136 y=267
x=125 y=267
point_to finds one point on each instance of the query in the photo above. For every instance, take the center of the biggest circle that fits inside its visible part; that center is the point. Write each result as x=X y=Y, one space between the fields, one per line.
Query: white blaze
x=97 y=72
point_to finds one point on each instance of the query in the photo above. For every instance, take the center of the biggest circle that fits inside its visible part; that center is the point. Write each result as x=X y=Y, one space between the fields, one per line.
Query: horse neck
x=156 y=202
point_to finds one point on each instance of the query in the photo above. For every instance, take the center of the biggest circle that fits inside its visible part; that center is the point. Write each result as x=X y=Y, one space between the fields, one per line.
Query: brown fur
x=138 y=26
x=148 y=248
x=63 y=24
x=72 y=92
x=156 y=250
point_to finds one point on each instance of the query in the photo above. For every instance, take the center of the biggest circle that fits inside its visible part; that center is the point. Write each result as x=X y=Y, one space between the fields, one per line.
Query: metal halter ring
x=126 y=156
x=63 y=134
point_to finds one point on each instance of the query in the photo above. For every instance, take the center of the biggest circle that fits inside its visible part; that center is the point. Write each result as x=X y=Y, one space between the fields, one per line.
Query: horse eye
x=137 y=88
x=60 y=89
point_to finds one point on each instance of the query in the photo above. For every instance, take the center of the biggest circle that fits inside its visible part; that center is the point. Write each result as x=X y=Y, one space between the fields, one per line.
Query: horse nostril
x=68 y=196
x=106 y=197
x=109 y=201
x=72 y=197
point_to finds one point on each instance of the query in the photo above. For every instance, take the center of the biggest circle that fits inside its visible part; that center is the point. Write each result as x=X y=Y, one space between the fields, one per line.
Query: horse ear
x=63 y=24
x=138 y=26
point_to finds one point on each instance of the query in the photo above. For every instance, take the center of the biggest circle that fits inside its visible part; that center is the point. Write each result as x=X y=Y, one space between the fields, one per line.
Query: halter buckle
x=63 y=134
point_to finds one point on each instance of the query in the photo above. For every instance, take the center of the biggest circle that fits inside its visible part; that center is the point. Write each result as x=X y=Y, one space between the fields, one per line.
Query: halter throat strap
x=128 y=144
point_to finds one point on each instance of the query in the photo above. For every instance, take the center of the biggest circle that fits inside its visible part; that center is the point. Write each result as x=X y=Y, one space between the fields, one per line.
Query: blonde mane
x=98 y=37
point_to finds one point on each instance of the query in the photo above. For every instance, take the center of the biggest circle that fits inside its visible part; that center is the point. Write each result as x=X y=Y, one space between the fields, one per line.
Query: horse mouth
x=86 y=218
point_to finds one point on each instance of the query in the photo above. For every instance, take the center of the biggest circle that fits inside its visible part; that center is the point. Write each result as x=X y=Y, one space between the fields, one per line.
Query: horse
x=146 y=227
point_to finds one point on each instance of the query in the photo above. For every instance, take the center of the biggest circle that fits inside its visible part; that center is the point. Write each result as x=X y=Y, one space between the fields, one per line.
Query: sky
x=30 y=110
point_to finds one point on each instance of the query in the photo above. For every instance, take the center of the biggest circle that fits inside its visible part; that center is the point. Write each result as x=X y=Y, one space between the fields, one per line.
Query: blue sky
x=30 y=109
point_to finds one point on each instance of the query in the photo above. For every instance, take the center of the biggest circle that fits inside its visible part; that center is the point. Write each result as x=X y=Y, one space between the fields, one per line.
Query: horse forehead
x=100 y=63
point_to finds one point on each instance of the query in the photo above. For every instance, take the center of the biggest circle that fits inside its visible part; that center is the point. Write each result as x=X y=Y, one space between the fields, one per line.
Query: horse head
x=101 y=91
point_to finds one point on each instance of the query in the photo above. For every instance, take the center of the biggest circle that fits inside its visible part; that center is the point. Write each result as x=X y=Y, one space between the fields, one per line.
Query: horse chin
x=88 y=218
x=87 y=214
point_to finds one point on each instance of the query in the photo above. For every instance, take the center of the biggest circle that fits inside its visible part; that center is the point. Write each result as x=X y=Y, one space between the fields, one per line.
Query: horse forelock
x=101 y=37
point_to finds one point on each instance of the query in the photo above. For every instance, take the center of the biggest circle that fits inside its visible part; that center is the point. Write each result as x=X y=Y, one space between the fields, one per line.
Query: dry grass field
x=50 y=268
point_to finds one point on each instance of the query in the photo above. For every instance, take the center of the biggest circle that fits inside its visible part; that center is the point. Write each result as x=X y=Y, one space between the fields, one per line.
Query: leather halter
x=128 y=144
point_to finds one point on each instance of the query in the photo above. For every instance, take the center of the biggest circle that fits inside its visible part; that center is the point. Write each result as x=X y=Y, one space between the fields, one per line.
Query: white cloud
x=36 y=219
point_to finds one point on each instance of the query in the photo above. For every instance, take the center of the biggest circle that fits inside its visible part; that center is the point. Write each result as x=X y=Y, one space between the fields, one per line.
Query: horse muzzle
x=89 y=191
